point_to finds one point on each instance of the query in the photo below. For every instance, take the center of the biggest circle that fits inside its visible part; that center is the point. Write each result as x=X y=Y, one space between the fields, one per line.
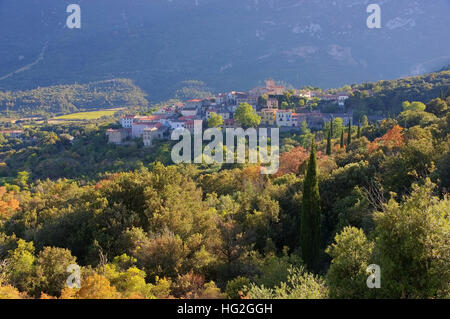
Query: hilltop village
x=274 y=104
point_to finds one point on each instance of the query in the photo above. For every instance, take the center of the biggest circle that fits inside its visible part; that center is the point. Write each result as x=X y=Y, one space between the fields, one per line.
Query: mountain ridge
x=159 y=44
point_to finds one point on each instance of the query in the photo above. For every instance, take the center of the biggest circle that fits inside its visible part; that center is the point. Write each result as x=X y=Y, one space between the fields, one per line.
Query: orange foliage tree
x=391 y=140
x=290 y=161
x=8 y=203
x=93 y=287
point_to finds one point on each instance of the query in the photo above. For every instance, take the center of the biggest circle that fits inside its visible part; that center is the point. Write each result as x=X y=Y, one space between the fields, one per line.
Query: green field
x=86 y=115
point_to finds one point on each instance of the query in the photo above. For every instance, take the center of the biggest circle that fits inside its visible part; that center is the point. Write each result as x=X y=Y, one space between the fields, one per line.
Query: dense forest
x=74 y=150
x=62 y=99
x=386 y=97
x=139 y=227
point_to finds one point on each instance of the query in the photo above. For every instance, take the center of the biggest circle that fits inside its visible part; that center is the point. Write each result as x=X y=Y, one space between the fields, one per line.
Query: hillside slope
x=226 y=44
x=72 y=98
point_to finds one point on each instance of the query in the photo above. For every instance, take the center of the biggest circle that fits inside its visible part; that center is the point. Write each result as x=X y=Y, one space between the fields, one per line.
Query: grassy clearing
x=86 y=115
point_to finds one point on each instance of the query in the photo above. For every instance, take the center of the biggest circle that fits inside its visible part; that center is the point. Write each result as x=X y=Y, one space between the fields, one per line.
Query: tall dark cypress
x=310 y=216
x=331 y=128
x=342 y=138
x=349 y=137
x=329 y=143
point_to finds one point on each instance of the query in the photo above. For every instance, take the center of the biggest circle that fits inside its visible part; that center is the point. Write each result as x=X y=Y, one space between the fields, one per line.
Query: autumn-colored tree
x=96 y=287
x=8 y=203
x=10 y=292
x=251 y=173
x=393 y=139
x=188 y=285
x=193 y=286
x=290 y=161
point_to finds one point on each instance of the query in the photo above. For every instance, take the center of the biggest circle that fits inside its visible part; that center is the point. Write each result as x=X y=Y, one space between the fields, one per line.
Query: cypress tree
x=442 y=96
x=342 y=138
x=331 y=128
x=349 y=137
x=310 y=215
x=329 y=143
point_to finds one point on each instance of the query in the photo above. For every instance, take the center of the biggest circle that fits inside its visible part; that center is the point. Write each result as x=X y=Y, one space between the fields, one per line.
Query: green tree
x=365 y=121
x=350 y=255
x=342 y=139
x=310 y=216
x=349 y=133
x=437 y=107
x=413 y=106
x=299 y=285
x=21 y=267
x=22 y=179
x=237 y=287
x=215 y=120
x=412 y=245
x=335 y=126
x=246 y=116
x=52 y=265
